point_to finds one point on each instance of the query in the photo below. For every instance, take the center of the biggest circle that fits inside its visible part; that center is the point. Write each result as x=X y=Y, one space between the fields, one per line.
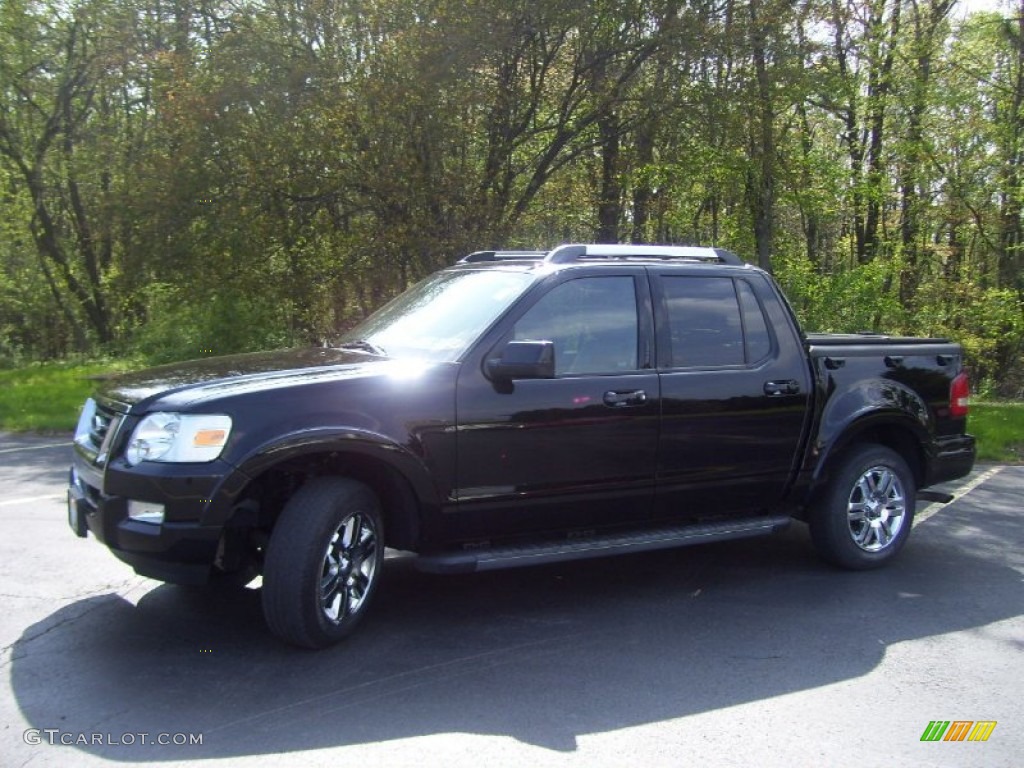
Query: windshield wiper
x=364 y=346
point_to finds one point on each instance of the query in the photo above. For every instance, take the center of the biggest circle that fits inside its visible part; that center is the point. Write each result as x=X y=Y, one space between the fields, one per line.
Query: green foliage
x=183 y=324
x=848 y=300
x=989 y=322
x=176 y=177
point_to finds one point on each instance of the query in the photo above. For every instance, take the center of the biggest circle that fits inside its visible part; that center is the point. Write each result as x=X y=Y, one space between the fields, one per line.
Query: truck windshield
x=438 y=318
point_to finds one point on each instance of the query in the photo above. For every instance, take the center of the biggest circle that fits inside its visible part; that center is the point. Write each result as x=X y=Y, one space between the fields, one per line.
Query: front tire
x=323 y=562
x=863 y=517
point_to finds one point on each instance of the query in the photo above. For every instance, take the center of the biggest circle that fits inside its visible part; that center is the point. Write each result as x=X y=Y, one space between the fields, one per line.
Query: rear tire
x=323 y=562
x=863 y=517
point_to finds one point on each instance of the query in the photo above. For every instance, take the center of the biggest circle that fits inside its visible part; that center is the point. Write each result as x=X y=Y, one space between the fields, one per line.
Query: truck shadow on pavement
x=543 y=655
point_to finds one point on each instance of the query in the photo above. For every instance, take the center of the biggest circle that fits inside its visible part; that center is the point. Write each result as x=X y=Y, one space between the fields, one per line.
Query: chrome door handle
x=617 y=399
x=783 y=387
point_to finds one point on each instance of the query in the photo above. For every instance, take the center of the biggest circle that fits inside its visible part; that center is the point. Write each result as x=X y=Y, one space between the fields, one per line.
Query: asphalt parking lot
x=745 y=653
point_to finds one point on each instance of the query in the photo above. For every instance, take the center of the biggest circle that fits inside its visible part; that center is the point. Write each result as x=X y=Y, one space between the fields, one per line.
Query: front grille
x=97 y=430
x=100 y=426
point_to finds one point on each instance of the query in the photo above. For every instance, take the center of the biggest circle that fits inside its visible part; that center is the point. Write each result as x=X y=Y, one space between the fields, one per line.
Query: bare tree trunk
x=879 y=88
x=761 y=175
x=609 y=205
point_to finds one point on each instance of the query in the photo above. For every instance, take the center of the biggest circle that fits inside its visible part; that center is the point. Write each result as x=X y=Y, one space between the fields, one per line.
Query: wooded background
x=179 y=176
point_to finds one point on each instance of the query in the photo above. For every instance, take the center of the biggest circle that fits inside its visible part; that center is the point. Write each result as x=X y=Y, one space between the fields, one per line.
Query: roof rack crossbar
x=575 y=253
x=478 y=256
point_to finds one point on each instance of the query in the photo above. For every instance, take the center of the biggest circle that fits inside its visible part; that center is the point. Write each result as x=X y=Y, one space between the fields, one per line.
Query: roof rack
x=477 y=256
x=570 y=254
x=567 y=254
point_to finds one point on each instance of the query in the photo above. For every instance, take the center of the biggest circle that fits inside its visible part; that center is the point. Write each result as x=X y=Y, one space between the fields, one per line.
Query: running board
x=521 y=555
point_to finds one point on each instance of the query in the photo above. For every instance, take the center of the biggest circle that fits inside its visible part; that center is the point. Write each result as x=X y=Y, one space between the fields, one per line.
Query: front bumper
x=183 y=548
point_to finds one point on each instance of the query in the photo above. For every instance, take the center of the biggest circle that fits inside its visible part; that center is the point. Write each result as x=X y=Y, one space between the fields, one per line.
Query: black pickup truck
x=520 y=408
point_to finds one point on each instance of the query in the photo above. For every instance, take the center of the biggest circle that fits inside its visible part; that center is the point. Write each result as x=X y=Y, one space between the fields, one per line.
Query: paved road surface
x=735 y=654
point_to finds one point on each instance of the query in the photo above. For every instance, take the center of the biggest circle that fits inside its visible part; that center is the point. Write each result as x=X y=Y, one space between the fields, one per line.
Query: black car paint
x=480 y=461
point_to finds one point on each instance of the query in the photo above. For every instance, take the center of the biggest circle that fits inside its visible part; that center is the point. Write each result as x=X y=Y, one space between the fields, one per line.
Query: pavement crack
x=122 y=589
x=7 y=650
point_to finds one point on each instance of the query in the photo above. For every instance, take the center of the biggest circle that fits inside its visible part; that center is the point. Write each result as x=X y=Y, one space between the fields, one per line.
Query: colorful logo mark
x=959 y=730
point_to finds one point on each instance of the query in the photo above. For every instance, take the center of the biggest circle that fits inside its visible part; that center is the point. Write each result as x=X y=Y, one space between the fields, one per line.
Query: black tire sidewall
x=294 y=560
x=829 y=525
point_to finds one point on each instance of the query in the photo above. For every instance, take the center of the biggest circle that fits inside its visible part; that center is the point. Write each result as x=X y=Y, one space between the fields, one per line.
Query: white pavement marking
x=958 y=493
x=30 y=499
x=66 y=444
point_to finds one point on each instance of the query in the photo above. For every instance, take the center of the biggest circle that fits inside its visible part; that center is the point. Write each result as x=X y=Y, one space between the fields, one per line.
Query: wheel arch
x=400 y=508
x=265 y=481
x=893 y=430
x=873 y=410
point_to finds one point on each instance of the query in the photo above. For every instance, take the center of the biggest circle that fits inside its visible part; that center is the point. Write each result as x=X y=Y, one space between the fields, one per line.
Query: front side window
x=592 y=322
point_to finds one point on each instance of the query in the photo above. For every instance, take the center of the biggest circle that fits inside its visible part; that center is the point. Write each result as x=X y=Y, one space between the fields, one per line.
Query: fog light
x=146 y=511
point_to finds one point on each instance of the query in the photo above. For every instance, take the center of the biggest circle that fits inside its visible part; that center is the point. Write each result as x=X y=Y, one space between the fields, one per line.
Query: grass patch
x=999 y=428
x=47 y=397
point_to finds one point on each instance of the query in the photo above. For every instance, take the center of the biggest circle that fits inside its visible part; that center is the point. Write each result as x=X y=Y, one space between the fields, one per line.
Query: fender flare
x=320 y=440
x=869 y=406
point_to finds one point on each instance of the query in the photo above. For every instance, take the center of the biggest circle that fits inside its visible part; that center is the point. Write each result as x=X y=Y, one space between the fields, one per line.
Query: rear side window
x=713 y=322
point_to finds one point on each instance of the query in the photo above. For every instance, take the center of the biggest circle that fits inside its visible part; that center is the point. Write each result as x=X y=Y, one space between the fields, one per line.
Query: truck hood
x=188 y=382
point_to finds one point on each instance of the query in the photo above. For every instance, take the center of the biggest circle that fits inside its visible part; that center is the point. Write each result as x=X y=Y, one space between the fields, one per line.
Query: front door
x=575 y=452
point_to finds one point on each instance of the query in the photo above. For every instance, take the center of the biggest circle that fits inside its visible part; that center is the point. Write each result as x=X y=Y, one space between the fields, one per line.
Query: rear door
x=577 y=451
x=735 y=389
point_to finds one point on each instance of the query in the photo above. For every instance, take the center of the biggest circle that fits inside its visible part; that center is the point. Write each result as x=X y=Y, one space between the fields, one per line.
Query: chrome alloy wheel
x=875 y=511
x=349 y=567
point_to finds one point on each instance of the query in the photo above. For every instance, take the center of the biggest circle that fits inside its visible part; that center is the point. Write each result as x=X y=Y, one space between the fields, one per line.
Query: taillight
x=959 y=396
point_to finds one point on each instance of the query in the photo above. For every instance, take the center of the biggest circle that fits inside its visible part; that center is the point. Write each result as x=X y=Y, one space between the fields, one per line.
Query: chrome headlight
x=179 y=438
